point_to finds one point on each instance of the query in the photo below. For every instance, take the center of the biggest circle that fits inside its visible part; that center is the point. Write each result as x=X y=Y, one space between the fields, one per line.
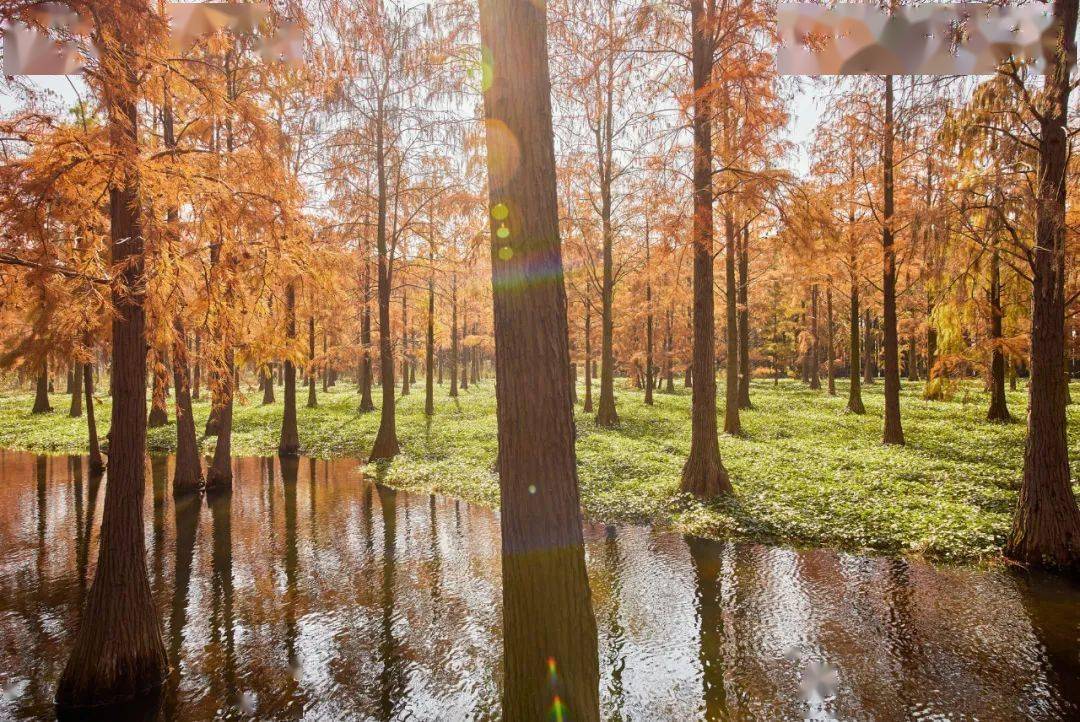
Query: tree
x=541 y=518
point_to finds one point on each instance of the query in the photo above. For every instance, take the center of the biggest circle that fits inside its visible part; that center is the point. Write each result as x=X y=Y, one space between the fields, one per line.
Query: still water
x=320 y=594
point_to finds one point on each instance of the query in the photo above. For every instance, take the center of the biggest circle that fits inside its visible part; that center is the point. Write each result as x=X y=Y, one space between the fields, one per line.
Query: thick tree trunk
x=187 y=475
x=41 y=394
x=704 y=474
x=219 y=475
x=894 y=431
x=289 y=444
x=999 y=409
x=744 y=321
x=75 y=411
x=1046 y=525
x=266 y=374
x=544 y=574
x=118 y=651
x=732 y=423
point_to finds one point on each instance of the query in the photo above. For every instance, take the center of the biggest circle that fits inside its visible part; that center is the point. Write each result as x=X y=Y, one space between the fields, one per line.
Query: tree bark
x=312 y=399
x=97 y=466
x=669 y=351
x=544 y=574
x=999 y=409
x=118 y=651
x=429 y=353
x=648 y=324
x=732 y=423
x=386 y=442
x=744 y=321
x=894 y=431
x=366 y=403
x=589 y=363
x=158 y=416
x=289 y=444
x=831 y=347
x=1046 y=525
x=815 y=356
x=75 y=411
x=704 y=474
x=41 y=395
x=455 y=349
x=404 y=343
x=187 y=475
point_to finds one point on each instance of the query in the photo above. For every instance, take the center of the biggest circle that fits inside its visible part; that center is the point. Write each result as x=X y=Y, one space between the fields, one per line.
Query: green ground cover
x=806 y=471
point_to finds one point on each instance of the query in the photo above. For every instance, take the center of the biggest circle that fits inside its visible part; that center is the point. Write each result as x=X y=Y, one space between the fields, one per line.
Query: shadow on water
x=311 y=591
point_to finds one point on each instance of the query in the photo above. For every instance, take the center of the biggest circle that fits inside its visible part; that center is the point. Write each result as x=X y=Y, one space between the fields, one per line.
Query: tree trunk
x=744 y=321
x=196 y=375
x=187 y=476
x=669 y=349
x=648 y=324
x=732 y=423
x=815 y=355
x=289 y=444
x=158 y=415
x=589 y=363
x=41 y=395
x=366 y=404
x=326 y=371
x=830 y=350
x=894 y=431
x=219 y=475
x=404 y=343
x=999 y=410
x=455 y=349
x=1046 y=525
x=868 y=349
x=704 y=474
x=75 y=411
x=97 y=466
x=118 y=652
x=544 y=574
x=312 y=400
x=386 y=441
x=266 y=373
x=429 y=353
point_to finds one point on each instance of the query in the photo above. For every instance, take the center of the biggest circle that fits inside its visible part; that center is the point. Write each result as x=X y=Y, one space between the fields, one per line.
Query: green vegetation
x=805 y=472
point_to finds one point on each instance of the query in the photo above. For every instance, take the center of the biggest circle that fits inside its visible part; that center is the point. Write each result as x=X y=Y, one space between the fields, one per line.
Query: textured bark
x=587 y=407
x=404 y=343
x=455 y=347
x=219 y=475
x=999 y=409
x=386 y=441
x=830 y=350
x=894 y=431
x=429 y=351
x=1046 y=525
x=75 y=410
x=704 y=474
x=289 y=444
x=732 y=423
x=464 y=360
x=814 y=362
x=96 y=465
x=544 y=574
x=744 y=321
x=868 y=348
x=187 y=475
x=366 y=403
x=158 y=416
x=312 y=400
x=41 y=393
x=266 y=377
x=118 y=651
x=649 y=371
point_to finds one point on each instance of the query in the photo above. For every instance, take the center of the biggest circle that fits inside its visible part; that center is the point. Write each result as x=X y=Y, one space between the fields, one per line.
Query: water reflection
x=311 y=592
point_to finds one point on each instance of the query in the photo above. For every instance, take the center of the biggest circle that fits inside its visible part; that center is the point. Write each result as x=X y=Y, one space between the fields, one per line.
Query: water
x=333 y=598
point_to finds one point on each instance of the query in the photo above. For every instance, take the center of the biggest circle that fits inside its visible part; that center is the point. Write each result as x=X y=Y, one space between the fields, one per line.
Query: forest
x=476 y=359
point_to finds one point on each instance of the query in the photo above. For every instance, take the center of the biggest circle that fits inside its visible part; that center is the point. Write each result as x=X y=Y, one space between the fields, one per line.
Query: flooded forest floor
x=805 y=472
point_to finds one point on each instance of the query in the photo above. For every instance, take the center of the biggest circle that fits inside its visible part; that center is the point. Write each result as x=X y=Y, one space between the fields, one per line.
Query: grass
x=806 y=471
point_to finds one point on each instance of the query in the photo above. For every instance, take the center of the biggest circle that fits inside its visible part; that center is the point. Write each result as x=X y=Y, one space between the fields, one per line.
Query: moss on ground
x=806 y=471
